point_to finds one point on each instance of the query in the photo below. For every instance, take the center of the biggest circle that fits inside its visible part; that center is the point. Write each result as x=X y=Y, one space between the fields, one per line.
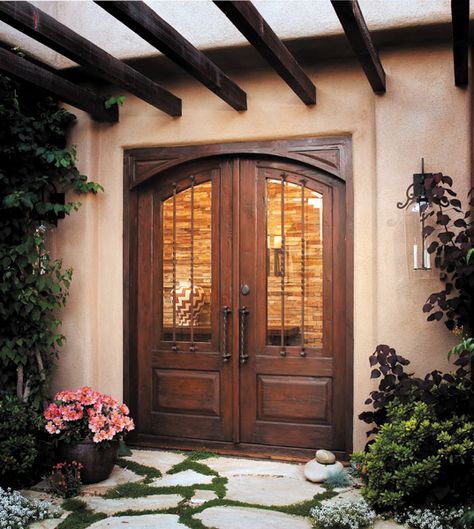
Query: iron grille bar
x=173 y=261
x=192 y=347
x=303 y=188
x=283 y=266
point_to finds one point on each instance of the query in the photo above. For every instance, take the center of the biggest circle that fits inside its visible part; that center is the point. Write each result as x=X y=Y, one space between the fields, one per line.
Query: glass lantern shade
x=419 y=261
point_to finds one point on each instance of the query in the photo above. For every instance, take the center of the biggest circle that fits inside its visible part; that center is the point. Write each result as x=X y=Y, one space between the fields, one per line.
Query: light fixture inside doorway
x=417 y=210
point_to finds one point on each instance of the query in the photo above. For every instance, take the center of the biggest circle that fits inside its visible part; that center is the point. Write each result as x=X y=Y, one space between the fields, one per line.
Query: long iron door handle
x=226 y=311
x=244 y=311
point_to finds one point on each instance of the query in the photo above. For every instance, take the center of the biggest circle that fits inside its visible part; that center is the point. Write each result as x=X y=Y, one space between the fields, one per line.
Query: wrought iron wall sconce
x=50 y=218
x=416 y=208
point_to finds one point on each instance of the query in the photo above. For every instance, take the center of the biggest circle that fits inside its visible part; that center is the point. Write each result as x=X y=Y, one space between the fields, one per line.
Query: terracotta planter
x=98 y=461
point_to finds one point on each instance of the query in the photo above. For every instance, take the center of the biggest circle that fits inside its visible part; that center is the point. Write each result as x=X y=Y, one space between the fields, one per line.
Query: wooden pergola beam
x=47 y=30
x=460 y=26
x=355 y=28
x=256 y=30
x=151 y=27
x=13 y=65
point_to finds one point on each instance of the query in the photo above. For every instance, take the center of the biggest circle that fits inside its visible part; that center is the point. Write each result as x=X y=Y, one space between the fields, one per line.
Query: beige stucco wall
x=422 y=114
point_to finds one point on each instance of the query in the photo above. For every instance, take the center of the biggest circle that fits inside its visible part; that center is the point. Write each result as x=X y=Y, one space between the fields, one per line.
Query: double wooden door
x=240 y=305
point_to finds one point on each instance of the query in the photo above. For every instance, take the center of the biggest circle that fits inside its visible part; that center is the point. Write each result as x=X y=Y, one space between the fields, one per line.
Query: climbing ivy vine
x=36 y=166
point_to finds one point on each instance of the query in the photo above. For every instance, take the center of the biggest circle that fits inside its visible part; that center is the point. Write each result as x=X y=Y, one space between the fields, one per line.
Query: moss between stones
x=81 y=519
x=150 y=473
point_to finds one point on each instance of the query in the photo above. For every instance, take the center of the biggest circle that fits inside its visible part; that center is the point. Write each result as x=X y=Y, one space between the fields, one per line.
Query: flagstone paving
x=147 y=521
x=184 y=479
x=196 y=490
x=244 y=517
x=147 y=503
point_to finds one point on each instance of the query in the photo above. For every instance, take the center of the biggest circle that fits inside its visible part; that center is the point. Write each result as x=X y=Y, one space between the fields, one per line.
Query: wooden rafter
x=256 y=30
x=460 y=25
x=20 y=68
x=355 y=28
x=47 y=30
x=151 y=27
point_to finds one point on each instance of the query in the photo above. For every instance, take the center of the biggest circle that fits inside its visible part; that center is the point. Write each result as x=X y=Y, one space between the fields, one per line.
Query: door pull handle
x=226 y=311
x=244 y=311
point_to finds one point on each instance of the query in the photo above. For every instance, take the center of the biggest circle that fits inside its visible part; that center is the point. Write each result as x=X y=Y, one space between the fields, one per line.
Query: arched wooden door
x=240 y=306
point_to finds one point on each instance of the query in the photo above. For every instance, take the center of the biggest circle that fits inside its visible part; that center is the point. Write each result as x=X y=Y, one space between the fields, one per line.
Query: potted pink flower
x=88 y=426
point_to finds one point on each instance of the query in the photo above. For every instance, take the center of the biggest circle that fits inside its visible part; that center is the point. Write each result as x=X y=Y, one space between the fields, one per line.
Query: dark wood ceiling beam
x=460 y=26
x=151 y=27
x=355 y=28
x=255 y=29
x=47 y=30
x=18 y=67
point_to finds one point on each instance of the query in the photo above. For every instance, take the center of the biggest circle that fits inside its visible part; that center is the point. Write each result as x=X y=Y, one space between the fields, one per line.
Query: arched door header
x=330 y=155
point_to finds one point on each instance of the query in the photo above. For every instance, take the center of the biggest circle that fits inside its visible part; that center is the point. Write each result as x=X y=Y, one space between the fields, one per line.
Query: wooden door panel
x=294 y=399
x=187 y=390
x=293 y=381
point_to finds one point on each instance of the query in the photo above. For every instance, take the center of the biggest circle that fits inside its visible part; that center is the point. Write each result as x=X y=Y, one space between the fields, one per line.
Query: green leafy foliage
x=35 y=163
x=111 y=101
x=418 y=458
x=20 y=425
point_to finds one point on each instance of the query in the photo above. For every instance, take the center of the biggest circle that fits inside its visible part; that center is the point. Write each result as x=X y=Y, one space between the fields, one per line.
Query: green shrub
x=20 y=426
x=418 y=458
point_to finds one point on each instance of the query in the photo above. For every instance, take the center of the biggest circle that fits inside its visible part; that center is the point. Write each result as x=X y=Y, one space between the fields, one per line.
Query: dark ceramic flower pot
x=98 y=461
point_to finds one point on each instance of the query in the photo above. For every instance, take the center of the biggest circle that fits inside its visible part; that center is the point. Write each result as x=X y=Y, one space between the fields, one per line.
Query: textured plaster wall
x=203 y=24
x=422 y=114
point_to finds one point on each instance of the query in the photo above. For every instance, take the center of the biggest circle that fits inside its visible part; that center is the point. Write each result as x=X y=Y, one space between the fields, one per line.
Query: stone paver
x=184 y=478
x=202 y=496
x=147 y=503
x=346 y=496
x=233 y=466
x=161 y=460
x=246 y=518
x=268 y=490
x=146 y=521
x=119 y=476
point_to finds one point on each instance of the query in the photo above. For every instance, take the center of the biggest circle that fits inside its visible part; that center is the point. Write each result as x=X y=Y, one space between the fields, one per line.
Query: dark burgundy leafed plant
x=450 y=228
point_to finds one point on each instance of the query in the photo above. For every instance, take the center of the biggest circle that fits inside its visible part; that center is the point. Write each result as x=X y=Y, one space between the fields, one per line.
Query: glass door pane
x=187 y=270
x=294 y=265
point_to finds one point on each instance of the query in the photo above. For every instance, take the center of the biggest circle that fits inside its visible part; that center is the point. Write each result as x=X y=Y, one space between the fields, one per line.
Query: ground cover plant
x=16 y=511
x=344 y=515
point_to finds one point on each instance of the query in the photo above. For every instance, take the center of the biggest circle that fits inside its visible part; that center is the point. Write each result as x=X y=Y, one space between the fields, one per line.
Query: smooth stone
x=246 y=518
x=202 y=496
x=146 y=503
x=317 y=473
x=229 y=466
x=119 y=476
x=145 y=521
x=325 y=457
x=268 y=490
x=184 y=478
x=161 y=460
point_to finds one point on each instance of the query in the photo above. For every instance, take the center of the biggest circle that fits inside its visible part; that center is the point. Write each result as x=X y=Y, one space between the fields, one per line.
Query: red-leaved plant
x=86 y=414
x=451 y=228
x=65 y=479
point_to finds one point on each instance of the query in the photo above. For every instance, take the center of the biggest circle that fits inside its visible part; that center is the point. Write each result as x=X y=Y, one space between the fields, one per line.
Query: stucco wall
x=422 y=114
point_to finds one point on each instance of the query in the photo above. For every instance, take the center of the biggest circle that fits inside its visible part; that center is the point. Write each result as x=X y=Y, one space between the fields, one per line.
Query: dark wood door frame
x=332 y=155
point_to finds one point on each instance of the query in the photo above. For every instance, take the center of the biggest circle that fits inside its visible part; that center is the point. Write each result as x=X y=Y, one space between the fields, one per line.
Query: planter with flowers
x=88 y=426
